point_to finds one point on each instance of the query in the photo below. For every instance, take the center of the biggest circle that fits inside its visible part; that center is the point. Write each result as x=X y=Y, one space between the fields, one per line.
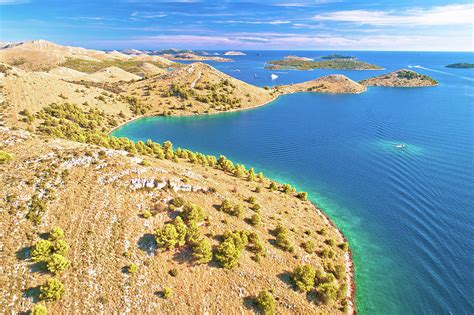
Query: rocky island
x=234 y=53
x=461 y=65
x=337 y=64
x=401 y=78
x=110 y=225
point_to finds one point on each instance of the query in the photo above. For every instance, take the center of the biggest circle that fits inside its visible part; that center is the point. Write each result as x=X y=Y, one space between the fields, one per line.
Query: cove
x=407 y=213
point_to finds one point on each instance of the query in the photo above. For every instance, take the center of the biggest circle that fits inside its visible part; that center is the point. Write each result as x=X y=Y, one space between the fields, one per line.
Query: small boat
x=400 y=146
x=274 y=76
x=255 y=76
x=237 y=70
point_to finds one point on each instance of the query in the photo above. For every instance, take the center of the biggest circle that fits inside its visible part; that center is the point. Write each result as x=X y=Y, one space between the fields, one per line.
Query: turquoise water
x=408 y=212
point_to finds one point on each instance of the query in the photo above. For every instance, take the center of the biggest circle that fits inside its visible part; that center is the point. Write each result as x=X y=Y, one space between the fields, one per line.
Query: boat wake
x=443 y=72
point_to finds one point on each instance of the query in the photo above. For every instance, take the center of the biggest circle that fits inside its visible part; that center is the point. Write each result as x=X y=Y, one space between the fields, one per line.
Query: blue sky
x=279 y=24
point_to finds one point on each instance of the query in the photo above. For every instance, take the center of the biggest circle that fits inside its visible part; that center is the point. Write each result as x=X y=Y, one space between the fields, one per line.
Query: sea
x=392 y=167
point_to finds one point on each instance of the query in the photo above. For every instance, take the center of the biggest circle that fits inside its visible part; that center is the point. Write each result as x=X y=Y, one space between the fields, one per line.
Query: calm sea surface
x=408 y=213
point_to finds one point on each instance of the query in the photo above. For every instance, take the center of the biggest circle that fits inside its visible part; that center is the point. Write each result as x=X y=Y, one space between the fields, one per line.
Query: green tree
x=266 y=303
x=303 y=195
x=303 y=277
x=255 y=219
x=202 y=251
x=251 y=177
x=52 y=290
x=42 y=251
x=181 y=229
x=227 y=254
x=273 y=186
x=132 y=268
x=57 y=263
x=167 y=236
x=192 y=212
x=328 y=291
x=167 y=293
x=61 y=247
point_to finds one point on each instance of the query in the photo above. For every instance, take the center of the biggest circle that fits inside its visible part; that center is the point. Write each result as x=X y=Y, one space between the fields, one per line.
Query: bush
x=237 y=211
x=167 y=237
x=61 y=247
x=173 y=272
x=178 y=202
x=226 y=206
x=344 y=246
x=52 y=290
x=5 y=157
x=287 y=189
x=303 y=277
x=255 y=219
x=56 y=234
x=167 y=293
x=303 y=195
x=266 y=303
x=328 y=291
x=309 y=246
x=251 y=200
x=146 y=214
x=192 y=212
x=282 y=239
x=39 y=309
x=228 y=252
x=202 y=251
x=132 y=268
x=57 y=263
x=42 y=251
x=273 y=186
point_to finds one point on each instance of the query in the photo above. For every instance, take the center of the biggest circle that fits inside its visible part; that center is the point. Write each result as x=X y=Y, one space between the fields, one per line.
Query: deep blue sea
x=408 y=213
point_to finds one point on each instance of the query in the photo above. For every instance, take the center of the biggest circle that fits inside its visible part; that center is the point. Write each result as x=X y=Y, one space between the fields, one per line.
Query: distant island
x=337 y=64
x=194 y=57
x=401 y=78
x=336 y=56
x=461 y=65
x=234 y=53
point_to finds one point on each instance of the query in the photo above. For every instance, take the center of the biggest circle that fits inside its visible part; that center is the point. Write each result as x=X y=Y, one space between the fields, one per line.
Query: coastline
x=349 y=263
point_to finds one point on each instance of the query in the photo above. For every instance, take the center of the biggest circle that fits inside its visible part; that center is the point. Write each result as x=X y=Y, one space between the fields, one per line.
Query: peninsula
x=107 y=224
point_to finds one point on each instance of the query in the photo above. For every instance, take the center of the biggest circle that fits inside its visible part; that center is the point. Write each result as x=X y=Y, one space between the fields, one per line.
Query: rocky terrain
x=336 y=64
x=89 y=221
x=194 y=57
x=401 y=78
x=334 y=83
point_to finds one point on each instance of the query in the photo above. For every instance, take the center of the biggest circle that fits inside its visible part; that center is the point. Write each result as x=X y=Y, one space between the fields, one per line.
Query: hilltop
x=40 y=55
x=401 y=78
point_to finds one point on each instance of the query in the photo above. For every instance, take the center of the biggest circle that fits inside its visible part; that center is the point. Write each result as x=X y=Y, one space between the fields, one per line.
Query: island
x=194 y=57
x=108 y=224
x=333 y=84
x=337 y=56
x=234 y=53
x=337 y=64
x=461 y=65
x=401 y=78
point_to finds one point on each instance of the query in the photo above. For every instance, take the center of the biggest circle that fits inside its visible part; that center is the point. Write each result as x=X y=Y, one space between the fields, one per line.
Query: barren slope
x=400 y=78
x=334 y=83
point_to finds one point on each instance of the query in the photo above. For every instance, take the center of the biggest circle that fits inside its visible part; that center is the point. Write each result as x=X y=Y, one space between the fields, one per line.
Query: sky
x=426 y=25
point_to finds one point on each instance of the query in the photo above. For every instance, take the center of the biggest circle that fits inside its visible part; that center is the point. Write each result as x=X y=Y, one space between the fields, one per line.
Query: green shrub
x=266 y=303
x=273 y=186
x=39 y=309
x=255 y=219
x=228 y=252
x=178 y=202
x=5 y=157
x=167 y=237
x=202 y=251
x=167 y=293
x=328 y=291
x=61 y=247
x=288 y=189
x=309 y=246
x=344 y=246
x=57 y=263
x=303 y=195
x=237 y=211
x=282 y=239
x=146 y=214
x=56 y=234
x=132 y=268
x=226 y=206
x=42 y=251
x=52 y=290
x=173 y=272
x=252 y=200
x=303 y=277
x=192 y=212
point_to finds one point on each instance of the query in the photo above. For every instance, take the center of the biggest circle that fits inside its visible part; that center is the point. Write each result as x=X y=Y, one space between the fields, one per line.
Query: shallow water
x=408 y=212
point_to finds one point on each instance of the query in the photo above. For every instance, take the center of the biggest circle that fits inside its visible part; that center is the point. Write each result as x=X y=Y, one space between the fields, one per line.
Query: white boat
x=400 y=146
x=274 y=76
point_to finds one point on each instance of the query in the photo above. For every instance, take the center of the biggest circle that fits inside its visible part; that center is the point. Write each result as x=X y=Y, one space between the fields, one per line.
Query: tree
x=260 y=177
x=52 y=290
x=57 y=263
x=202 y=251
x=303 y=277
x=132 y=268
x=226 y=206
x=303 y=195
x=227 y=253
x=266 y=302
x=42 y=251
x=167 y=293
x=167 y=237
x=273 y=186
x=181 y=229
x=237 y=211
x=309 y=246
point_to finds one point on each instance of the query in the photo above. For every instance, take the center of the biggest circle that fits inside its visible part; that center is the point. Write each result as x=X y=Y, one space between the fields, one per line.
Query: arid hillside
x=334 y=84
x=107 y=230
x=401 y=78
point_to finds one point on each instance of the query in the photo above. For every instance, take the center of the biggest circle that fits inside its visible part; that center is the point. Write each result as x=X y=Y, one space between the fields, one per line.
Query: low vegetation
x=330 y=63
x=90 y=66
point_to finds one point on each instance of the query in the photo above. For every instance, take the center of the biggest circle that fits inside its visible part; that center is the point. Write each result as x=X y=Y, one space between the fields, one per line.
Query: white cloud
x=456 y=14
x=7 y=2
x=275 y=22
